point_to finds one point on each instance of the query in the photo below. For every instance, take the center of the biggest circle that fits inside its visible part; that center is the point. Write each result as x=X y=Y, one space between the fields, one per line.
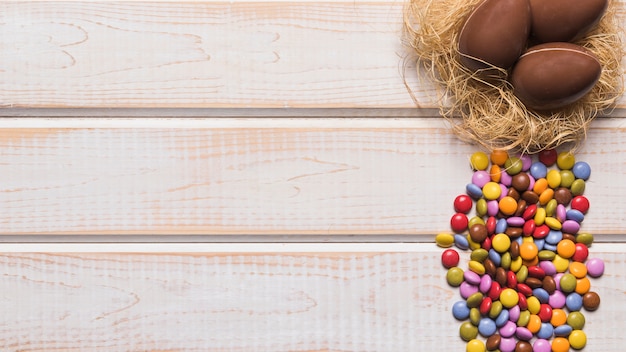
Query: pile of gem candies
x=526 y=284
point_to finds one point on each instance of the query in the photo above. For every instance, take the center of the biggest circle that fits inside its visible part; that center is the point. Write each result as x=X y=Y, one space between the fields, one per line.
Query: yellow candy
x=444 y=240
x=516 y=264
x=561 y=264
x=479 y=161
x=554 y=178
x=476 y=267
x=472 y=245
x=540 y=216
x=475 y=345
x=501 y=242
x=533 y=304
x=509 y=297
x=565 y=160
x=577 y=339
x=553 y=223
x=492 y=190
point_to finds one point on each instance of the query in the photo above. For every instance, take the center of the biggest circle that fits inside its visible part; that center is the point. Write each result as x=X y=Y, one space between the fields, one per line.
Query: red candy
x=536 y=271
x=485 y=305
x=545 y=312
x=490 y=224
x=494 y=291
x=522 y=302
x=541 y=231
x=530 y=212
x=529 y=227
x=450 y=258
x=524 y=289
x=581 y=253
x=548 y=157
x=459 y=222
x=580 y=203
x=511 y=279
x=463 y=204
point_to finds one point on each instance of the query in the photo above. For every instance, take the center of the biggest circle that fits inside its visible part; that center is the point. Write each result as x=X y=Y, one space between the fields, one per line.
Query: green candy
x=474 y=300
x=576 y=320
x=585 y=238
x=468 y=331
x=454 y=276
x=568 y=283
x=578 y=187
x=479 y=255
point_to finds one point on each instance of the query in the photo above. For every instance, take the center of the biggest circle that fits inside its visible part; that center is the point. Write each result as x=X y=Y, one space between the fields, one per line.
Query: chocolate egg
x=564 y=20
x=495 y=34
x=553 y=75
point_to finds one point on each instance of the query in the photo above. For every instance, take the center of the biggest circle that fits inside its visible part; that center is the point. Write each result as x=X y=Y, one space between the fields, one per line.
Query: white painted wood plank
x=307 y=176
x=202 y=54
x=238 y=298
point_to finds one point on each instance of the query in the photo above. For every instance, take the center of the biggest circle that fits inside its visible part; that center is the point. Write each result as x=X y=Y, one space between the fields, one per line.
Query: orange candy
x=528 y=250
x=559 y=317
x=546 y=196
x=534 y=323
x=498 y=157
x=566 y=248
x=583 y=285
x=507 y=205
x=578 y=269
x=560 y=344
x=540 y=185
x=495 y=173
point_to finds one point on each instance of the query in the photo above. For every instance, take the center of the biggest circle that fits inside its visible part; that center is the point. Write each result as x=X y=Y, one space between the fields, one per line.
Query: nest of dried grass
x=487 y=112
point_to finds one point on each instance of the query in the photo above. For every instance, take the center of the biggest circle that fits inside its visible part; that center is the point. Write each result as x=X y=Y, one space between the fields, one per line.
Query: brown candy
x=530 y=197
x=591 y=301
x=478 y=233
x=490 y=267
x=521 y=206
x=533 y=282
x=501 y=276
x=513 y=193
x=514 y=232
x=514 y=249
x=563 y=196
x=493 y=342
x=523 y=346
x=549 y=284
x=520 y=182
x=569 y=236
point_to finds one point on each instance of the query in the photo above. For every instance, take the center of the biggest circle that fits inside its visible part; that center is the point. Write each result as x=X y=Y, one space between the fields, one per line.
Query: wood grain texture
x=201 y=54
x=252 y=301
x=311 y=176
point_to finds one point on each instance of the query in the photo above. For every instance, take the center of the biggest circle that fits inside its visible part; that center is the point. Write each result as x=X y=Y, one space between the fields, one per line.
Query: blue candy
x=461 y=242
x=554 y=237
x=538 y=170
x=563 y=330
x=582 y=170
x=501 y=225
x=545 y=331
x=574 y=302
x=460 y=310
x=486 y=327
x=575 y=215
x=474 y=191
x=495 y=257
x=502 y=318
x=542 y=295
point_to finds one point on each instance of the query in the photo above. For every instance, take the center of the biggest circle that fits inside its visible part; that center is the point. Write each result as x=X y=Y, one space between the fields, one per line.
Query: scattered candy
x=527 y=278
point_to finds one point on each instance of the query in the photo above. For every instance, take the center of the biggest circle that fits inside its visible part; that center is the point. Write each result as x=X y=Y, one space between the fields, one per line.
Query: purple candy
x=514 y=313
x=570 y=226
x=526 y=161
x=504 y=190
x=467 y=289
x=480 y=178
x=561 y=213
x=542 y=345
x=485 y=283
x=557 y=279
x=507 y=344
x=508 y=329
x=595 y=267
x=506 y=179
x=548 y=267
x=471 y=277
x=557 y=300
x=531 y=185
x=516 y=221
x=492 y=207
x=523 y=333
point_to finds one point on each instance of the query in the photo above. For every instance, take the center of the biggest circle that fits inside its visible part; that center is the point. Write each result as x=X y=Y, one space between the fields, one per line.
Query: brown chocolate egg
x=495 y=34
x=552 y=75
x=564 y=20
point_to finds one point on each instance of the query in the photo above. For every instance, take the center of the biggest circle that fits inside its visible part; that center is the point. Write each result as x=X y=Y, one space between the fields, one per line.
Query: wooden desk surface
x=194 y=129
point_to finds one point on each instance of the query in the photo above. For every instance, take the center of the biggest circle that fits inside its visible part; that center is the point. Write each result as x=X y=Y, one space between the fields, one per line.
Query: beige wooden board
x=206 y=54
x=376 y=297
x=260 y=176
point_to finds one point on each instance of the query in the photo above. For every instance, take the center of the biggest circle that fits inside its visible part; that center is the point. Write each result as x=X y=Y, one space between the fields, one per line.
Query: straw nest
x=485 y=111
